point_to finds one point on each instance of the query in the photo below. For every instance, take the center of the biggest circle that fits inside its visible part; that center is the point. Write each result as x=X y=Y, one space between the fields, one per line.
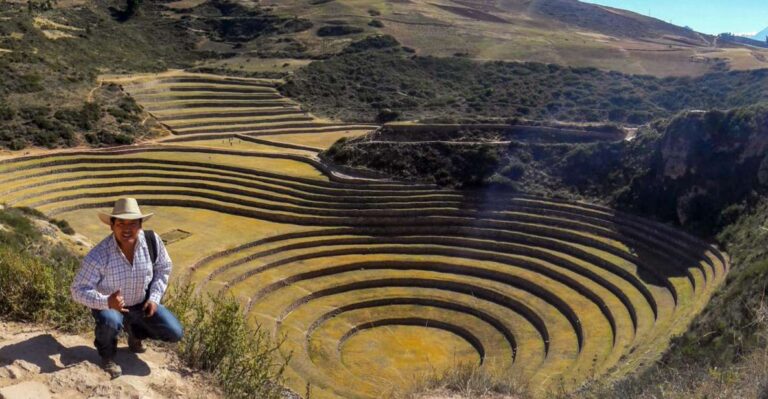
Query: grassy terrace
x=371 y=281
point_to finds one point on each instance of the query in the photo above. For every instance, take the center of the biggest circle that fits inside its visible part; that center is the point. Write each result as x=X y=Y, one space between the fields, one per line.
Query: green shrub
x=89 y=114
x=30 y=212
x=22 y=233
x=29 y=83
x=64 y=226
x=26 y=286
x=17 y=144
x=432 y=162
x=217 y=338
x=387 y=115
x=84 y=118
x=35 y=277
x=514 y=170
x=43 y=122
x=6 y=112
x=363 y=83
x=121 y=115
x=375 y=42
x=107 y=138
x=338 y=30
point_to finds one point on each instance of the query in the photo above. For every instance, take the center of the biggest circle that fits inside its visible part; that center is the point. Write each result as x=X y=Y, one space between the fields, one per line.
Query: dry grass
x=464 y=380
x=432 y=30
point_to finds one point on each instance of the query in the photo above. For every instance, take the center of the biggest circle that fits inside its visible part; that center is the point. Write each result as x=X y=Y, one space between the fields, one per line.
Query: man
x=122 y=285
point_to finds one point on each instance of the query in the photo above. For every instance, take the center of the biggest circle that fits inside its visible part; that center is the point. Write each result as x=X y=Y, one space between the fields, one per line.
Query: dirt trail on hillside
x=40 y=363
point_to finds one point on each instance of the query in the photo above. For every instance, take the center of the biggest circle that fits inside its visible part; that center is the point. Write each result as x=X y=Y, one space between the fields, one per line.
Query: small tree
x=132 y=8
x=387 y=115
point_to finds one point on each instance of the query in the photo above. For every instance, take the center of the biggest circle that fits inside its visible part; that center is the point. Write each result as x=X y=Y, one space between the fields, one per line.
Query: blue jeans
x=163 y=326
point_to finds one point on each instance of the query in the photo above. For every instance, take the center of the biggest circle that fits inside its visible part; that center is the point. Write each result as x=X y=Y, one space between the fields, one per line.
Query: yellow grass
x=282 y=166
x=45 y=23
x=320 y=139
x=238 y=144
x=168 y=113
x=171 y=73
x=252 y=64
x=211 y=231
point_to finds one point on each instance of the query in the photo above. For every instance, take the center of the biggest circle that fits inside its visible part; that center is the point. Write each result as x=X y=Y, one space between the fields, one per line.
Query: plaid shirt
x=105 y=270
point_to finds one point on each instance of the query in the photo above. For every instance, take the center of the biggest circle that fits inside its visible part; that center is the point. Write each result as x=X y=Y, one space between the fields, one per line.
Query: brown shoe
x=112 y=368
x=136 y=345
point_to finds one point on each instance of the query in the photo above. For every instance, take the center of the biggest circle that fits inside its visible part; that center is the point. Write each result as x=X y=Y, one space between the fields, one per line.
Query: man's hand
x=115 y=301
x=150 y=308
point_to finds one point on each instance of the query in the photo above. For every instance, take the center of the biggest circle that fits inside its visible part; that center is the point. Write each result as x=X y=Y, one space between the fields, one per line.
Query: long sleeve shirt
x=105 y=269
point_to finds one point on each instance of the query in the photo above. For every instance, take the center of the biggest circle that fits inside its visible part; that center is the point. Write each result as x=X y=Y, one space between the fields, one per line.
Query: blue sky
x=736 y=16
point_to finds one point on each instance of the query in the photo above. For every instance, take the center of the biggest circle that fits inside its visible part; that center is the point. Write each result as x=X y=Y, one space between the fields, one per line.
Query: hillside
x=565 y=32
x=359 y=84
x=49 y=93
x=51 y=55
x=686 y=169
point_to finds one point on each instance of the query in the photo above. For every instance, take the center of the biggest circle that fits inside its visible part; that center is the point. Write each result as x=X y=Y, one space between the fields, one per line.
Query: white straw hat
x=125 y=208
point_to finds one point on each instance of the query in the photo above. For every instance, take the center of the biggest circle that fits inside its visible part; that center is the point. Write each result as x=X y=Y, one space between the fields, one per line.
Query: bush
x=17 y=144
x=29 y=83
x=362 y=83
x=432 y=162
x=90 y=113
x=64 y=226
x=514 y=170
x=35 y=278
x=218 y=338
x=122 y=116
x=108 y=138
x=387 y=115
x=338 y=30
x=376 y=42
x=30 y=212
x=6 y=112
x=83 y=118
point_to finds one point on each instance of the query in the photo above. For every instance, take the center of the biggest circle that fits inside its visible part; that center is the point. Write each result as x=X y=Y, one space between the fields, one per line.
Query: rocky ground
x=39 y=363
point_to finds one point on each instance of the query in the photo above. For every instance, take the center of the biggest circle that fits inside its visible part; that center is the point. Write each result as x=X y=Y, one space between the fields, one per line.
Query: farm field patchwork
x=373 y=281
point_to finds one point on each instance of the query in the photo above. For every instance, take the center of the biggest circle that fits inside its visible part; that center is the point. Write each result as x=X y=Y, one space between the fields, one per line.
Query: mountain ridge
x=762 y=35
x=565 y=32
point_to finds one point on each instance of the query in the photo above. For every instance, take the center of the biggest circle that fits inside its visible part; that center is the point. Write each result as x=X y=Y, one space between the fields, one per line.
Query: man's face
x=126 y=231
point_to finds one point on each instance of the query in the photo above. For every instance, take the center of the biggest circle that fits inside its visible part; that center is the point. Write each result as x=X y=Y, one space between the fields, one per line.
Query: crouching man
x=122 y=280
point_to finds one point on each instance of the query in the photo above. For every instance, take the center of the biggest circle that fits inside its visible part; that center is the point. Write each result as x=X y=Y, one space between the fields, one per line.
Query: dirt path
x=39 y=363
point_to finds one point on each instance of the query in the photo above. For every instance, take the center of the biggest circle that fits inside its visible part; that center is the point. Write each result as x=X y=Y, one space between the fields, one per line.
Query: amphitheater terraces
x=374 y=281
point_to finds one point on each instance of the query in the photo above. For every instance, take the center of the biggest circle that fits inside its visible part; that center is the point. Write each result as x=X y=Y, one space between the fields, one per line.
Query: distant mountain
x=761 y=35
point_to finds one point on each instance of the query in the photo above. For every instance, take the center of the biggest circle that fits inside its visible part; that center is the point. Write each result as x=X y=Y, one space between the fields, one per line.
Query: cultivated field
x=370 y=281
